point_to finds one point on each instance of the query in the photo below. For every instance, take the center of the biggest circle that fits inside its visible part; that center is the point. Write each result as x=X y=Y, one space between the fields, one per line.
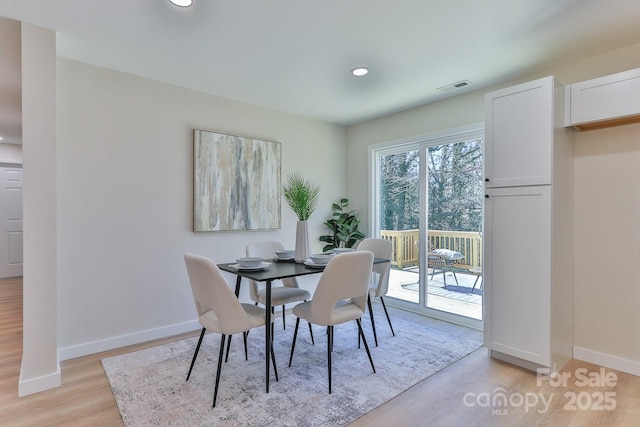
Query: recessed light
x=360 y=71
x=182 y=3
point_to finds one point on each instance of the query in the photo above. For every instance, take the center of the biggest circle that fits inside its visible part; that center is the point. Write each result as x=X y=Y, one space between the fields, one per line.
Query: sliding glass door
x=428 y=202
x=398 y=196
x=454 y=227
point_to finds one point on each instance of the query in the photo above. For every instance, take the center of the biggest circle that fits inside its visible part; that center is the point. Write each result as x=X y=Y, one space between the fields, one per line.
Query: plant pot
x=302 y=242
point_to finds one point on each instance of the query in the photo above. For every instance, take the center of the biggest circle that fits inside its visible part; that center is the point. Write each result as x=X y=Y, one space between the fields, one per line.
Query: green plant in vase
x=343 y=226
x=302 y=197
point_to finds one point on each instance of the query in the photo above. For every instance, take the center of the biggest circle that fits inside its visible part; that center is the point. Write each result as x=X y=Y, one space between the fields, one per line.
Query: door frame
x=3 y=240
x=421 y=142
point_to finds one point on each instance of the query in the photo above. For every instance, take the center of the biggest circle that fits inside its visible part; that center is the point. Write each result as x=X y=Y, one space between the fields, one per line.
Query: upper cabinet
x=606 y=101
x=519 y=130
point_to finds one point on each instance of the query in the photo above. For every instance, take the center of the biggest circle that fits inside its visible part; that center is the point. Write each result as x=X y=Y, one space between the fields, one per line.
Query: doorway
x=10 y=222
x=428 y=199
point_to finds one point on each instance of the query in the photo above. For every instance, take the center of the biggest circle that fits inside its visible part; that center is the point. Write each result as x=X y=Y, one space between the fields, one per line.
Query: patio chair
x=477 y=271
x=439 y=262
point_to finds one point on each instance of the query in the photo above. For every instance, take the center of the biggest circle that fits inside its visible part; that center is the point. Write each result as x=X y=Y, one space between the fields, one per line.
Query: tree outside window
x=455 y=188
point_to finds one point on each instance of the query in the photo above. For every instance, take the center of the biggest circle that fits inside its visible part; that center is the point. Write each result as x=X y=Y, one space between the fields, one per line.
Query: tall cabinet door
x=518 y=268
x=519 y=134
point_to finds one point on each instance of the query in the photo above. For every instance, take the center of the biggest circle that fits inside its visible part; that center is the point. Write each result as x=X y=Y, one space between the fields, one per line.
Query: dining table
x=276 y=270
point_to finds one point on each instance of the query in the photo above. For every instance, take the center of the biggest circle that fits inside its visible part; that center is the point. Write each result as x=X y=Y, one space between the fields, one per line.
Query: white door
x=10 y=222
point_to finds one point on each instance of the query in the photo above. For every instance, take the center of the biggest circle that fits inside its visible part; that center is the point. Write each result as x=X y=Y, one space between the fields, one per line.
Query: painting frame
x=236 y=182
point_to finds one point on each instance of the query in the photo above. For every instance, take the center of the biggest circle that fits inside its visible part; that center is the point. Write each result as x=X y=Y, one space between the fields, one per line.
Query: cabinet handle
x=486 y=196
x=486 y=179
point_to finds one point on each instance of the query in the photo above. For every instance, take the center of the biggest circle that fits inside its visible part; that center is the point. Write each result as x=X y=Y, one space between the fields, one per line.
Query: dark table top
x=278 y=270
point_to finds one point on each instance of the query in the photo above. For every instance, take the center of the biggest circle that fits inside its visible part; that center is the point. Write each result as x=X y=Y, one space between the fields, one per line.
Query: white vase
x=302 y=242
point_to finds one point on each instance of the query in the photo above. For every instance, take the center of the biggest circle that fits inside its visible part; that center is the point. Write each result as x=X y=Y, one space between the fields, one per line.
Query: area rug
x=150 y=387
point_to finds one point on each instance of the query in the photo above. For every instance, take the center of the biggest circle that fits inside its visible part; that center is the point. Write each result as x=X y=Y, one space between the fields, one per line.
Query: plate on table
x=262 y=266
x=312 y=264
x=282 y=259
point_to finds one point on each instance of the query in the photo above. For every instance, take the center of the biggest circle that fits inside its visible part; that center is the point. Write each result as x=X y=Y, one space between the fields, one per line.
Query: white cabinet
x=606 y=101
x=528 y=256
x=517 y=272
x=519 y=131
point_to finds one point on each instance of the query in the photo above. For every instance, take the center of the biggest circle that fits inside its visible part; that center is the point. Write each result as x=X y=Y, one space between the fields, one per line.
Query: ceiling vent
x=457 y=85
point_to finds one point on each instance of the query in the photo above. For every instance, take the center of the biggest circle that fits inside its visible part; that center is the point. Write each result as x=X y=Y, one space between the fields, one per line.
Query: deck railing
x=405 y=246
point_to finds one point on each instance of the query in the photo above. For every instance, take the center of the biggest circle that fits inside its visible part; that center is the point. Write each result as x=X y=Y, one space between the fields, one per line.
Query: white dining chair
x=381 y=248
x=219 y=310
x=340 y=296
x=288 y=292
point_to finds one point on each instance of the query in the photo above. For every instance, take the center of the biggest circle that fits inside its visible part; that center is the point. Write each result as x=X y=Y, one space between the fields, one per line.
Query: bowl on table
x=342 y=250
x=320 y=259
x=249 y=262
x=285 y=254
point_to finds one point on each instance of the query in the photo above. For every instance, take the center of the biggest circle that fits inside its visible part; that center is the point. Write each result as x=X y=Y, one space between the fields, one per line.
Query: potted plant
x=302 y=197
x=343 y=226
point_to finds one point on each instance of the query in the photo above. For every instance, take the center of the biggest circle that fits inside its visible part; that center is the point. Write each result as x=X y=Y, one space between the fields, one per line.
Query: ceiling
x=296 y=55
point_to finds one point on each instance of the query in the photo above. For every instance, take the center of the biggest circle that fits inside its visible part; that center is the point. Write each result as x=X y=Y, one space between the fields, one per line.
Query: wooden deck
x=455 y=298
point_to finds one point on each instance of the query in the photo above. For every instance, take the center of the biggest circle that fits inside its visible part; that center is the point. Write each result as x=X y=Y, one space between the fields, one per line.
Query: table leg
x=238 y=279
x=267 y=332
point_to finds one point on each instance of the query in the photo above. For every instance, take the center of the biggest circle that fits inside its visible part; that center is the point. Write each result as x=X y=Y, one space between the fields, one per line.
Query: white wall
x=40 y=368
x=125 y=199
x=607 y=245
x=10 y=153
x=607 y=205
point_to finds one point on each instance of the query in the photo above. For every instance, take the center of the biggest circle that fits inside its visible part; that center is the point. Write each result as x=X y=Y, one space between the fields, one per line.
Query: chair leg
x=244 y=337
x=272 y=326
x=226 y=358
x=387 y=313
x=284 y=323
x=475 y=283
x=215 y=389
x=454 y=275
x=364 y=340
x=329 y=351
x=311 y=334
x=444 y=277
x=293 y=344
x=273 y=360
x=373 y=322
x=196 y=352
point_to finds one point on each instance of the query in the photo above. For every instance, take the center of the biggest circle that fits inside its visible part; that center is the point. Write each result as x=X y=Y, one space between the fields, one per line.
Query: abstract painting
x=236 y=182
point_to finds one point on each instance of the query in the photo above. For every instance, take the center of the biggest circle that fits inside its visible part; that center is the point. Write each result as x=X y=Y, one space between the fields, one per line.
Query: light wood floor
x=452 y=397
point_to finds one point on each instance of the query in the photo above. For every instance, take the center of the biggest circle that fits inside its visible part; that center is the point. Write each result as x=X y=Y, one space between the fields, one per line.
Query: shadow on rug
x=150 y=387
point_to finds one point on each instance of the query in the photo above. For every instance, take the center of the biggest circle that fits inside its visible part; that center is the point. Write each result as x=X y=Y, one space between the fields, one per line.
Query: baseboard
x=36 y=385
x=93 y=347
x=608 y=361
x=530 y=366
